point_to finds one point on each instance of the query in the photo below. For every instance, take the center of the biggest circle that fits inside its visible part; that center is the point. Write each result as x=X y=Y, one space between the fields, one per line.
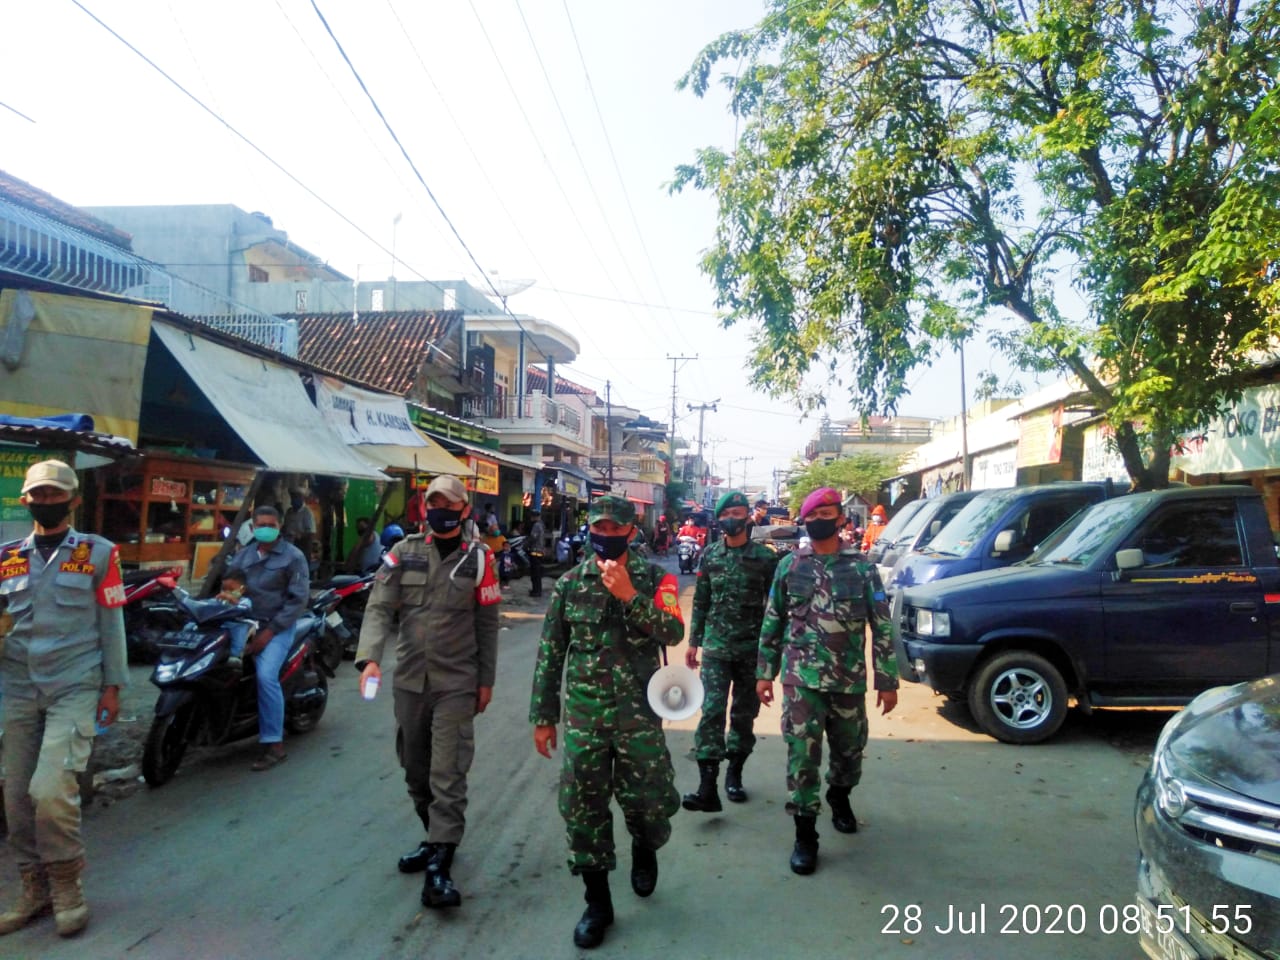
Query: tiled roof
x=535 y=381
x=384 y=350
x=33 y=198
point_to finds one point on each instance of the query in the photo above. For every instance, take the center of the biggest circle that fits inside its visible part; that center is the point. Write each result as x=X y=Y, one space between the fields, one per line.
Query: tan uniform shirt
x=447 y=633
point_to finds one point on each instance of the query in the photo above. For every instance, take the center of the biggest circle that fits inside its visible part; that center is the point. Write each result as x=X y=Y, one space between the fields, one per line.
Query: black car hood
x=1232 y=737
x=1026 y=583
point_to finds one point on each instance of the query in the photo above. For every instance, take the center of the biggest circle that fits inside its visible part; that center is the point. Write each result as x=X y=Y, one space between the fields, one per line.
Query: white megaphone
x=675 y=692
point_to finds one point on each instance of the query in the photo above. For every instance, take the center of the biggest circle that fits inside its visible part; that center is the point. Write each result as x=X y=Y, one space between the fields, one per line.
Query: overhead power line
x=617 y=169
x=249 y=143
x=493 y=189
x=573 y=143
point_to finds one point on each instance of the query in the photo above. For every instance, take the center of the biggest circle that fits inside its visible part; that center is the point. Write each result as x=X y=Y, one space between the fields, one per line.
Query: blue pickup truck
x=1145 y=600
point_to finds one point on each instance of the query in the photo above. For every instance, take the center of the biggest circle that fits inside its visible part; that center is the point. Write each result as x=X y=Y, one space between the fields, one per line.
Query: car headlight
x=933 y=623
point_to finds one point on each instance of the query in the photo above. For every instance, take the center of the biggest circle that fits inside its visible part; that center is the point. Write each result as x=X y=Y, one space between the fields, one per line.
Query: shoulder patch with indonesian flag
x=667 y=597
x=111 y=589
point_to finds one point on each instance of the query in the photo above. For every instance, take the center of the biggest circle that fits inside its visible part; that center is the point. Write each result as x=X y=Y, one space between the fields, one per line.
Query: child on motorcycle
x=233 y=592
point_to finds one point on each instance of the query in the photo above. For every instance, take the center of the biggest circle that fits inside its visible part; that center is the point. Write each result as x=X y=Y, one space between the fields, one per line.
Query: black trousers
x=535 y=574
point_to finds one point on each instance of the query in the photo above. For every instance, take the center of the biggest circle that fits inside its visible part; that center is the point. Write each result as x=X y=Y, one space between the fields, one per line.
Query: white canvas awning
x=266 y=404
x=378 y=428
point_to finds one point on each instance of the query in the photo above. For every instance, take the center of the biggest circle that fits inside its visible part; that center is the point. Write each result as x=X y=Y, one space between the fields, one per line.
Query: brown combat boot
x=70 y=912
x=33 y=901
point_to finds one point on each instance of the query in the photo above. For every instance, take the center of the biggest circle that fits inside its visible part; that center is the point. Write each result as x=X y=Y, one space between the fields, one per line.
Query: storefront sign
x=14 y=462
x=362 y=416
x=173 y=489
x=1040 y=439
x=995 y=469
x=1101 y=459
x=572 y=486
x=1244 y=439
x=486 y=475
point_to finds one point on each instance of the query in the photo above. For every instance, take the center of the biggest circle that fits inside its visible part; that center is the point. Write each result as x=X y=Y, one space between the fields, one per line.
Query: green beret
x=733 y=498
x=617 y=509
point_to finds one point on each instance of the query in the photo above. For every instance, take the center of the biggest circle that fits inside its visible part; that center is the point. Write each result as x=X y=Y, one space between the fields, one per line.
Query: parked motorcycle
x=688 y=553
x=516 y=558
x=206 y=702
x=149 y=610
x=352 y=594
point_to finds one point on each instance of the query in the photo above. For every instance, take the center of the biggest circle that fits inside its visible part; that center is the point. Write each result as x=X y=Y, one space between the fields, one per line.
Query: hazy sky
x=493 y=103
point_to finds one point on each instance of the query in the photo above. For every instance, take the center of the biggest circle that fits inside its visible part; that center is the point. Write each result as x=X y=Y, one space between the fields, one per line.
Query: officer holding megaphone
x=607 y=620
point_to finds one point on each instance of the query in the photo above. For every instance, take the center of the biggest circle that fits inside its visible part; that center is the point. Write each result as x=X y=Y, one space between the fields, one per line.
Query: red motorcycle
x=150 y=610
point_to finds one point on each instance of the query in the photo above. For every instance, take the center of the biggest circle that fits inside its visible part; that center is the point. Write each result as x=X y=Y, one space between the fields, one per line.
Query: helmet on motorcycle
x=392 y=534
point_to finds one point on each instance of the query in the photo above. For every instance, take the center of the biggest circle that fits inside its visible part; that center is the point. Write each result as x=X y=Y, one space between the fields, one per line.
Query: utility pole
x=966 y=466
x=608 y=425
x=743 y=461
x=671 y=444
x=702 y=409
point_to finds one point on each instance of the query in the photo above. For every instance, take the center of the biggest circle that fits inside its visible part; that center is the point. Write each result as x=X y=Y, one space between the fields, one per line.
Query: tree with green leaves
x=860 y=474
x=904 y=169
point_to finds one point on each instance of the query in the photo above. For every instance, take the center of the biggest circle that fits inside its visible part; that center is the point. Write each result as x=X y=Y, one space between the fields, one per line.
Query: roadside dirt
x=115 y=768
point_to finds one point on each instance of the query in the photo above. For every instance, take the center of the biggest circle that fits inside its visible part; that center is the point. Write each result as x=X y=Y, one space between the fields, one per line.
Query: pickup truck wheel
x=1018 y=697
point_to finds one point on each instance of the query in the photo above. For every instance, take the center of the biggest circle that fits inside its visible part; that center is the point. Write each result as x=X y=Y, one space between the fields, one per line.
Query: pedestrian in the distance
x=822 y=598
x=445 y=590
x=535 y=543
x=728 y=607
x=606 y=621
x=61 y=671
x=277 y=582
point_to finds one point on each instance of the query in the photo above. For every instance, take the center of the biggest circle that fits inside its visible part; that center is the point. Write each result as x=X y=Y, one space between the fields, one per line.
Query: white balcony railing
x=534 y=412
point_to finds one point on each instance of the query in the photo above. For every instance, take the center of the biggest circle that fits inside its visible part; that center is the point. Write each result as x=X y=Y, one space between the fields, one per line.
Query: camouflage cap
x=731 y=498
x=617 y=509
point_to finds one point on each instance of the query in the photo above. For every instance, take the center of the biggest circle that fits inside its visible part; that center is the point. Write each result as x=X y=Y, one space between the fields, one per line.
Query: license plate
x=334 y=619
x=184 y=640
x=1158 y=943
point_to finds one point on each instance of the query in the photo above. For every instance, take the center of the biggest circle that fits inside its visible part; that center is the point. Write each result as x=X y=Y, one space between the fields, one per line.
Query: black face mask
x=822 y=529
x=732 y=526
x=49 y=514
x=443 y=520
x=609 y=548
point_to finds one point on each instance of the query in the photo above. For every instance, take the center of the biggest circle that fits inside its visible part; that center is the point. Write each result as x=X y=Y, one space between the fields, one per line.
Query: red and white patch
x=111 y=590
x=489 y=590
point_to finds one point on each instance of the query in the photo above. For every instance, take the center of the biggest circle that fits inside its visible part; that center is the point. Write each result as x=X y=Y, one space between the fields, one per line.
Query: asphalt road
x=299 y=862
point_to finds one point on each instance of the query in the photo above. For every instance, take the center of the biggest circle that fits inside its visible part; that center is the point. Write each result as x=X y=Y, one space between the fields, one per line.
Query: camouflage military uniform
x=815 y=630
x=613 y=741
x=728 y=606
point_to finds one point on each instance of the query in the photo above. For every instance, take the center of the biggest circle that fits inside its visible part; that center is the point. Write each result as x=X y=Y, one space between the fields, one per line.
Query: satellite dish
x=505 y=286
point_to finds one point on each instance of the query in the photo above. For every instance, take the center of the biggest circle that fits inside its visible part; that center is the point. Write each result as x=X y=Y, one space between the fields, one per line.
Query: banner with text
x=362 y=416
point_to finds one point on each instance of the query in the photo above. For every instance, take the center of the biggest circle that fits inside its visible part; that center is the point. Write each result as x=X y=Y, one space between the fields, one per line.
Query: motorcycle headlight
x=199 y=665
x=165 y=672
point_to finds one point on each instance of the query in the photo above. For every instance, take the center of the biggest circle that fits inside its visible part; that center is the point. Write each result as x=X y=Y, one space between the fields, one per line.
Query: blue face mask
x=266 y=534
x=608 y=548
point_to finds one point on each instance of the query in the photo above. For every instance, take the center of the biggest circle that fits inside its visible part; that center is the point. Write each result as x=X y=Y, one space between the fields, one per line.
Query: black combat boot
x=415 y=861
x=439 y=891
x=804 y=858
x=705 y=798
x=842 y=817
x=644 y=868
x=733 y=778
x=599 y=913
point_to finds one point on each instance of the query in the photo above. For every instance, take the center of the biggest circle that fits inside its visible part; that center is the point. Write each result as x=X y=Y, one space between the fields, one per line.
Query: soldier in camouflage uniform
x=822 y=598
x=605 y=623
x=728 y=606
